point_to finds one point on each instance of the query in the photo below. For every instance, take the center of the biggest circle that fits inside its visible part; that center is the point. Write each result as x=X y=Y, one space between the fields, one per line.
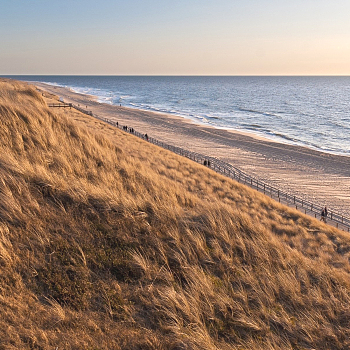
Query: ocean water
x=310 y=111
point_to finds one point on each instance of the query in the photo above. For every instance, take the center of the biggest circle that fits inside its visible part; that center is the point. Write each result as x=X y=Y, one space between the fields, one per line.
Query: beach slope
x=109 y=242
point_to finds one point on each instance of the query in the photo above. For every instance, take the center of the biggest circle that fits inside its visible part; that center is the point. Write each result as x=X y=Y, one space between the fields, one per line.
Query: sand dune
x=110 y=242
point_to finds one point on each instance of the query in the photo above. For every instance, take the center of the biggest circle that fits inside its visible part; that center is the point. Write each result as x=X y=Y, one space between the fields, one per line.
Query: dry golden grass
x=109 y=242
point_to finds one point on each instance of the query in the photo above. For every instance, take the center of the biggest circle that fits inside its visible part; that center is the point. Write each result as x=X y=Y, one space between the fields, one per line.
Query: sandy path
x=319 y=177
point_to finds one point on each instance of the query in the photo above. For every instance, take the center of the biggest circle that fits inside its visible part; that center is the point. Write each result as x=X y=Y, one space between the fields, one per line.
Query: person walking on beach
x=324 y=214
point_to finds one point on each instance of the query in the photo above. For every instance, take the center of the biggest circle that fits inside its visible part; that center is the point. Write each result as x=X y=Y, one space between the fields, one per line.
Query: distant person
x=146 y=137
x=324 y=214
x=208 y=163
x=205 y=163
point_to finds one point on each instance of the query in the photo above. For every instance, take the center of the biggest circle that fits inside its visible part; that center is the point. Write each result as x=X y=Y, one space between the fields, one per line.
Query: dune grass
x=109 y=242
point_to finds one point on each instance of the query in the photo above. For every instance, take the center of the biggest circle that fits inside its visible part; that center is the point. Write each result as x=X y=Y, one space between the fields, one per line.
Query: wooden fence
x=233 y=172
x=61 y=105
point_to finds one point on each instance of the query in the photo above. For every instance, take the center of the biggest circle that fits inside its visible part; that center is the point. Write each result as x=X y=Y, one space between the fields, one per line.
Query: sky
x=175 y=37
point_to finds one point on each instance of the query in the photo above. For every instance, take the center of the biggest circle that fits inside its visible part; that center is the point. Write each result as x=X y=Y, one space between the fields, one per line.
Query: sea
x=310 y=111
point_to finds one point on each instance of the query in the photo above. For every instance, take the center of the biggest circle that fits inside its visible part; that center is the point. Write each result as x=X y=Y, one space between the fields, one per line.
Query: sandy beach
x=319 y=177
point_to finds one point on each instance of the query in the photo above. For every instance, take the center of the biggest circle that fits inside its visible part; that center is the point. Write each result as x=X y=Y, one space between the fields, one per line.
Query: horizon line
x=182 y=75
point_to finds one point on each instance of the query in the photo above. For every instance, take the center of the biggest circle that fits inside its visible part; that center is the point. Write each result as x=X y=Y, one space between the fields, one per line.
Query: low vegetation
x=109 y=242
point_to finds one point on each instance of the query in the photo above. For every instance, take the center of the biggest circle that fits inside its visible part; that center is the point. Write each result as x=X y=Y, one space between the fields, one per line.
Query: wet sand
x=319 y=177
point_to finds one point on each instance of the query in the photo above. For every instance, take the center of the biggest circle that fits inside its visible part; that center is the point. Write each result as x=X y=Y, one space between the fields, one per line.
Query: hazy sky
x=175 y=37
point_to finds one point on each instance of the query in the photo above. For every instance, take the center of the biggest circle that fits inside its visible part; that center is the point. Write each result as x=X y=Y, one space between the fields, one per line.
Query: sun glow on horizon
x=166 y=38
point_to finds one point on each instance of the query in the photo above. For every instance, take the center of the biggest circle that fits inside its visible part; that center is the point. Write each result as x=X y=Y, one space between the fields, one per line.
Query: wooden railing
x=235 y=173
x=61 y=105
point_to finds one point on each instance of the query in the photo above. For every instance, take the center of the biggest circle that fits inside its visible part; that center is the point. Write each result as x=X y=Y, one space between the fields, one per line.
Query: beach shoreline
x=319 y=177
